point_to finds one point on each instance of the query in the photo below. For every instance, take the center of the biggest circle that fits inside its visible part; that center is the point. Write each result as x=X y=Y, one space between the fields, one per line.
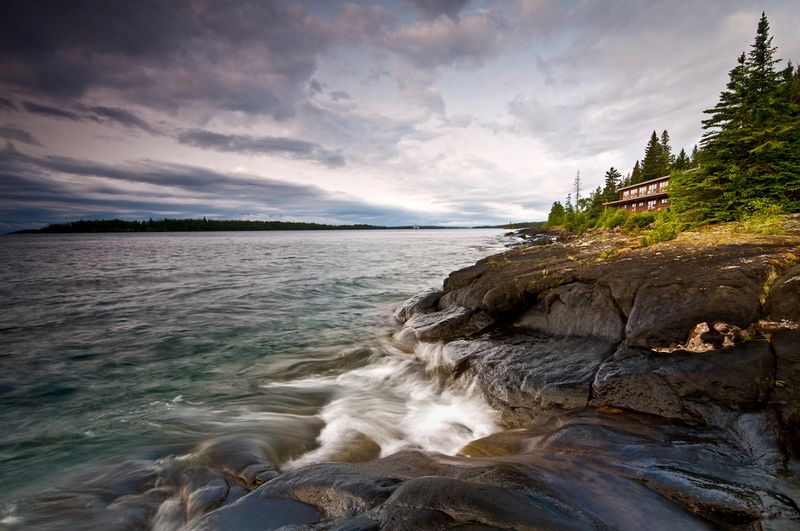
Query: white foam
x=397 y=404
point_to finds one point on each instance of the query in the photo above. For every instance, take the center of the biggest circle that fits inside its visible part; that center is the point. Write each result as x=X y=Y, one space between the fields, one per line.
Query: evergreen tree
x=667 y=156
x=556 y=215
x=751 y=146
x=636 y=175
x=612 y=180
x=681 y=162
x=577 y=186
x=655 y=164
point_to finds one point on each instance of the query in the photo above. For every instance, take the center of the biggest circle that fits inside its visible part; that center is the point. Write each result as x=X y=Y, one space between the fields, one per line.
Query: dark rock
x=468 y=502
x=202 y=490
x=665 y=314
x=255 y=512
x=760 y=434
x=338 y=489
x=720 y=501
x=443 y=325
x=786 y=394
x=783 y=301
x=677 y=384
x=576 y=309
x=245 y=459
x=418 y=303
x=527 y=375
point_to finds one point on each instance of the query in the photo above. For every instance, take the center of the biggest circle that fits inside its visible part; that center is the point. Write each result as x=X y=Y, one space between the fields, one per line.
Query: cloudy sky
x=450 y=112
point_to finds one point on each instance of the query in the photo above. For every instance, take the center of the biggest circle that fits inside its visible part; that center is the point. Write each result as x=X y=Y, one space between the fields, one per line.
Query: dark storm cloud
x=99 y=114
x=434 y=8
x=261 y=145
x=11 y=132
x=6 y=104
x=60 y=188
x=254 y=57
x=51 y=112
x=121 y=117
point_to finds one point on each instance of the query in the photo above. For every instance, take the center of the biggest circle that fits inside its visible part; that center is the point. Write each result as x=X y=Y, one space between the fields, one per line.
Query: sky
x=448 y=112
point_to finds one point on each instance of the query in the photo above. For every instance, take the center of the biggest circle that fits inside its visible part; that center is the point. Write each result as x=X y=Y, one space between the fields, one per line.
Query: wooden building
x=649 y=196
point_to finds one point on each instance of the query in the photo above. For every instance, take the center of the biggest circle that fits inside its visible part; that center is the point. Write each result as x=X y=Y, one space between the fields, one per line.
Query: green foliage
x=639 y=220
x=762 y=217
x=751 y=145
x=667 y=226
x=612 y=218
x=556 y=216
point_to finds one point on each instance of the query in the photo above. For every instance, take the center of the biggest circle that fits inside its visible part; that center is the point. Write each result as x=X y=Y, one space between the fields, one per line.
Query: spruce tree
x=636 y=174
x=681 y=162
x=667 y=157
x=612 y=181
x=751 y=146
x=655 y=164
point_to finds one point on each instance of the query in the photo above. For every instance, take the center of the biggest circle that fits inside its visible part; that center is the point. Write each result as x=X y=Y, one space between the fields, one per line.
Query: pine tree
x=556 y=215
x=681 y=162
x=751 y=146
x=612 y=180
x=636 y=174
x=655 y=164
x=577 y=185
x=667 y=157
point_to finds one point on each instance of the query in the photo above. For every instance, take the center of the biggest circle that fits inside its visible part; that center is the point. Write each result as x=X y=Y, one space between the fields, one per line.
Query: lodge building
x=648 y=196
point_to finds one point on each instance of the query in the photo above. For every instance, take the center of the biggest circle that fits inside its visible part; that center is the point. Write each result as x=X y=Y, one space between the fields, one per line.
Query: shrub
x=612 y=218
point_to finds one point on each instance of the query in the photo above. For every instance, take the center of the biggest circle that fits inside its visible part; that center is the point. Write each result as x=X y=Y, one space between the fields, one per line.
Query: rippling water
x=142 y=346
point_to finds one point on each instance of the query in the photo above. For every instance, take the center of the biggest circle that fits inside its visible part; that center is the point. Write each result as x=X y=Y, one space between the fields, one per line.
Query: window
x=626 y=194
x=664 y=201
x=651 y=204
x=641 y=204
x=642 y=190
x=663 y=184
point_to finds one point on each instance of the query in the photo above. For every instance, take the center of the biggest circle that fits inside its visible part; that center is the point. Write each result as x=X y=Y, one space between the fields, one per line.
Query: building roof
x=651 y=181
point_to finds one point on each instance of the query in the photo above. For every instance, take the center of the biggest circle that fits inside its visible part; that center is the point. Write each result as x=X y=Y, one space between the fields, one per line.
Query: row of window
x=651 y=204
x=645 y=190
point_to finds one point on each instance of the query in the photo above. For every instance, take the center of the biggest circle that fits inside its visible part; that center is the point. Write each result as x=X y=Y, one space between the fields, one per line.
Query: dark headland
x=197 y=225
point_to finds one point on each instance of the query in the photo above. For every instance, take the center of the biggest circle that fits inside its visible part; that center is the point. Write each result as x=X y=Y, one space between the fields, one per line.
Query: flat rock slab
x=253 y=512
x=679 y=384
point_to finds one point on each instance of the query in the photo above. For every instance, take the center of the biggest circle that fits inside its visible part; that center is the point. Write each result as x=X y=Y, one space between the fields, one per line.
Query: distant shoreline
x=207 y=225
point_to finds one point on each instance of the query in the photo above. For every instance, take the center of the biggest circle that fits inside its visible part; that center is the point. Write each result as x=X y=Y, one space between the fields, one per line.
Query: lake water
x=144 y=346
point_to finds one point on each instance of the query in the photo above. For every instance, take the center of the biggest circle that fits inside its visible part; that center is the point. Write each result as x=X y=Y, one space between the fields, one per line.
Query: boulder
x=527 y=375
x=576 y=309
x=679 y=384
x=422 y=302
x=783 y=301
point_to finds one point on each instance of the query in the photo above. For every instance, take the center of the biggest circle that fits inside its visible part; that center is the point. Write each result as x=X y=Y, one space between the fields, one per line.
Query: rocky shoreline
x=639 y=387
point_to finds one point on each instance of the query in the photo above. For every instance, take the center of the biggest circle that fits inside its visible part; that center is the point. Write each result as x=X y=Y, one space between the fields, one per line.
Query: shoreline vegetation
x=746 y=168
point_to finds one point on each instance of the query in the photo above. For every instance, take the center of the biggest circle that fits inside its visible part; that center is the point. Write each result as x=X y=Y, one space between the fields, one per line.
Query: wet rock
x=422 y=302
x=203 y=492
x=576 y=309
x=337 y=489
x=722 y=502
x=245 y=459
x=664 y=315
x=468 y=502
x=679 y=384
x=760 y=434
x=530 y=375
x=443 y=325
x=255 y=512
x=786 y=394
x=783 y=302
